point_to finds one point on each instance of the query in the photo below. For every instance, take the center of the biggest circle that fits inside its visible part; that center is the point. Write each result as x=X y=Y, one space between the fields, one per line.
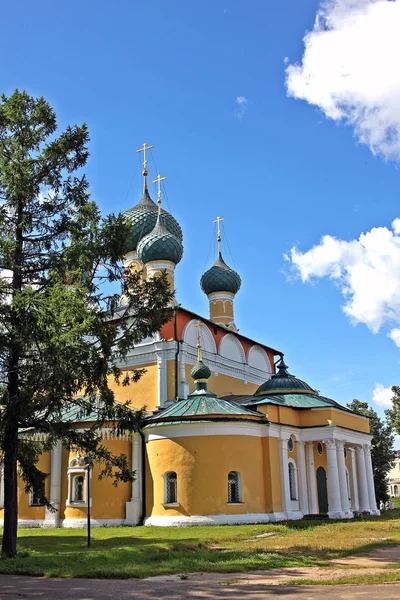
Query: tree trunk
x=12 y=412
x=9 y=546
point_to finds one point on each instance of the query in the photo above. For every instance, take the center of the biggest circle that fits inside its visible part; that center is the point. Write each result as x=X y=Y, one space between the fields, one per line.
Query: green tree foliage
x=68 y=315
x=382 y=452
x=393 y=413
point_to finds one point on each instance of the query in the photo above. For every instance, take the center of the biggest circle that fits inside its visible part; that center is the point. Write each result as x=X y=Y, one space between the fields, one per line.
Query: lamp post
x=88 y=460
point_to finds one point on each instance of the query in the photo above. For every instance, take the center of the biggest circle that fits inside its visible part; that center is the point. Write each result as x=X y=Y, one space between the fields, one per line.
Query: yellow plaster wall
x=272 y=474
x=222 y=311
x=223 y=385
x=33 y=512
x=108 y=501
x=142 y=393
x=202 y=480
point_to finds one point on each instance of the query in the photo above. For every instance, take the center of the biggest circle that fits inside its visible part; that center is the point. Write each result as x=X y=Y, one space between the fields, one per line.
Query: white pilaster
x=134 y=507
x=284 y=465
x=355 y=505
x=301 y=468
x=183 y=384
x=362 y=479
x=335 y=503
x=370 y=479
x=344 y=492
x=312 y=490
x=162 y=379
x=52 y=518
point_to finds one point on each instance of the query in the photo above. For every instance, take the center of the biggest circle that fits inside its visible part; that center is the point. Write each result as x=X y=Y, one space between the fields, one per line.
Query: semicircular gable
x=206 y=337
x=258 y=359
x=231 y=348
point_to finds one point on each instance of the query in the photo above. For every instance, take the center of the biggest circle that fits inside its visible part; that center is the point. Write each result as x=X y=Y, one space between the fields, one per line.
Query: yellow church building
x=230 y=435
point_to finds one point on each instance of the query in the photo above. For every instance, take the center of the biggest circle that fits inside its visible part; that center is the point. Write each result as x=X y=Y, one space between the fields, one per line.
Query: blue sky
x=281 y=173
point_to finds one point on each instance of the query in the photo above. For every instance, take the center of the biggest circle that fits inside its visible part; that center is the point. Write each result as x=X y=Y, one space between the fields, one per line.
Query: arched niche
x=206 y=337
x=258 y=359
x=231 y=348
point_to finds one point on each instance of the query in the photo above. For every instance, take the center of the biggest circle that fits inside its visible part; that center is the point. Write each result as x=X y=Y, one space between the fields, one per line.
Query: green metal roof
x=295 y=401
x=143 y=217
x=202 y=405
x=220 y=278
x=282 y=381
x=160 y=244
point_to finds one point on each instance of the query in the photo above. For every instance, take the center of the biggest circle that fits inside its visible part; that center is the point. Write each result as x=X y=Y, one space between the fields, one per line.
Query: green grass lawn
x=122 y=552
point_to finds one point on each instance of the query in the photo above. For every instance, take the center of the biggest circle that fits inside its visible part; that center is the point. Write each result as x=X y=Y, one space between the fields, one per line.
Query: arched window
x=292 y=481
x=170 y=488
x=396 y=491
x=78 y=490
x=234 y=487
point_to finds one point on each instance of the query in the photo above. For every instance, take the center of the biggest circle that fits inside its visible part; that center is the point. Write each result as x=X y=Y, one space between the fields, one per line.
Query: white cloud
x=350 y=70
x=367 y=271
x=382 y=396
x=242 y=105
x=394 y=334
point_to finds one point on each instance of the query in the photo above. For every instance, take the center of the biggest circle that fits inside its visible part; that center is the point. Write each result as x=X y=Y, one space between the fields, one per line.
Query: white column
x=370 y=479
x=312 y=490
x=183 y=384
x=301 y=468
x=162 y=380
x=283 y=453
x=353 y=477
x=335 y=503
x=134 y=507
x=52 y=518
x=344 y=494
x=362 y=479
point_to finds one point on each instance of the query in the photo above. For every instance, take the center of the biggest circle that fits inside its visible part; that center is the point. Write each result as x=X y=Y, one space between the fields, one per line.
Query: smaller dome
x=143 y=217
x=200 y=371
x=220 y=278
x=160 y=244
x=284 y=383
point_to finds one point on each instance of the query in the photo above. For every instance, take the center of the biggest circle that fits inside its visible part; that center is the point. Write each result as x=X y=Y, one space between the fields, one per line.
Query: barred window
x=234 y=487
x=37 y=496
x=78 y=492
x=292 y=481
x=170 y=488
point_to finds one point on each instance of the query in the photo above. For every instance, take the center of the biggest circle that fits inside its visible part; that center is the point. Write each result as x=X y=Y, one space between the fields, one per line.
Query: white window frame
x=167 y=501
x=76 y=468
x=1 y=485
x=239 y=488
x=292 y=468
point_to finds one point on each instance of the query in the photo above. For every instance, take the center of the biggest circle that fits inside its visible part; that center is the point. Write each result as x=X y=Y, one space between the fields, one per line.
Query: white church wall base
x=133 y=512
x=81 y=523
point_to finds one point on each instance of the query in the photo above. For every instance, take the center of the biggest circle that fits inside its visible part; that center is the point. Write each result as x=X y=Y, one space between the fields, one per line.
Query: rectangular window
x=234 y=494
x=171 y=488
x=37 y=496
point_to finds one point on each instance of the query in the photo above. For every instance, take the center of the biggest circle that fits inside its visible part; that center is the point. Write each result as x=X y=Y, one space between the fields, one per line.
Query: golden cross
x=144 y=150
x=158 y=181
x=218 y=220
x=199 y=357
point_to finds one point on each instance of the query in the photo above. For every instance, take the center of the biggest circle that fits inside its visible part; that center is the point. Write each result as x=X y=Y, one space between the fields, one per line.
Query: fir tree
x=63 y=328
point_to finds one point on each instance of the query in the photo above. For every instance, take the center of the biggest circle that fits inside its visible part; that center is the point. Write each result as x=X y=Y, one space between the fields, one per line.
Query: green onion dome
x=143 y=217
x=200 y=371
x=160 y=244
x=284 y=383
x=220 y=278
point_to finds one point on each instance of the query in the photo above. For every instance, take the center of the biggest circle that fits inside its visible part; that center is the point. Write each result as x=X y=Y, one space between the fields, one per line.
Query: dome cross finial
x=158 y=180
x=199 y=356
x=218 y=221
x=144 y=172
